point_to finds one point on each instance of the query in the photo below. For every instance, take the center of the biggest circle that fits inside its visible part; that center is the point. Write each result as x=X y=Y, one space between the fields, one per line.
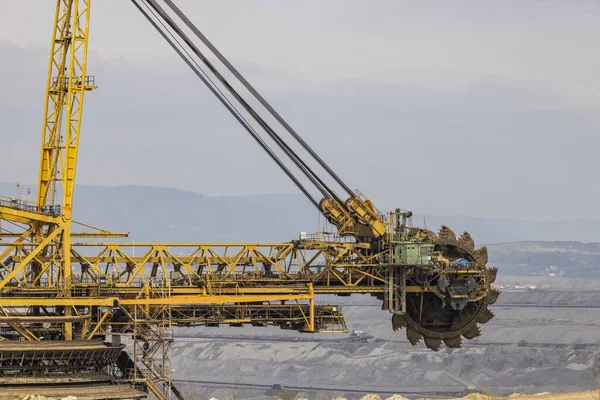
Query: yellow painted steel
x=338 y=215
x=98 y=324
x=85 y=284
x=30 y=257
x=50 y=159
x=27 y=217
x=17 y=326
x=338 y=267
x=60 y=301
x=39 y=319
x=153 y=301
x=43 y=258
x=365 y=211
x=91 y=235
x=356 y=217
x=66 y=85
x=65 y=90
x=215 y=299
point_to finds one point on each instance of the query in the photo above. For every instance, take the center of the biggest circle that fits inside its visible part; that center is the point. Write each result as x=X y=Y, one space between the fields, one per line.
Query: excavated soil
x=546 y=348
x=588 y=395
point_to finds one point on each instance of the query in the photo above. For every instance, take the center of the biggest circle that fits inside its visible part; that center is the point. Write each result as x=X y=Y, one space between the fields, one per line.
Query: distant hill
x=163 y=214
x=570 y=259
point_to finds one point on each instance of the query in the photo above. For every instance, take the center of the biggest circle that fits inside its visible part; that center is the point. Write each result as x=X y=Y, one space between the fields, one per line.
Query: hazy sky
x=486 y=108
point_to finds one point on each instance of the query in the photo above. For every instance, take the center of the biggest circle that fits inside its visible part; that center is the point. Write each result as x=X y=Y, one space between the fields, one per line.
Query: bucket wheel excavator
x=436 y=286
x=461 y=303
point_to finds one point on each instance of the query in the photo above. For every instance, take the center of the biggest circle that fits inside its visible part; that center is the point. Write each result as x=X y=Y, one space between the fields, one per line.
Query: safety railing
x=326 y=237
x=19 y=204
x=89 y=82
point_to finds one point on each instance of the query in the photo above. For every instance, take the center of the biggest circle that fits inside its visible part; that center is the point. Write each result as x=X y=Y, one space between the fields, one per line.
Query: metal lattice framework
x=54 y=290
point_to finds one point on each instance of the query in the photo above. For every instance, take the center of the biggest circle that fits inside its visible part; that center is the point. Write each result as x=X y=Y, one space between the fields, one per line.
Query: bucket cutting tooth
x=446 y=236
x=485 y=316
x=451 y=328
x=413 y=336
x=454 y=342
x=481 y=255
x=472 y=333
x=433 y=343
x=492 y=296
x=466 y=242
x=398 y=321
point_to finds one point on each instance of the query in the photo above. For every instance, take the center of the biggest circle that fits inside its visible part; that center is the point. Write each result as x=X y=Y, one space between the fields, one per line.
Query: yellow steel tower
x=65 y=91
x=50 y=223
x=436 y=286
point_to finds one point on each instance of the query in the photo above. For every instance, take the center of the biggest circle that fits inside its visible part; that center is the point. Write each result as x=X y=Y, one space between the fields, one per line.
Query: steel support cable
x=304 y=168
x=15 y=233
x=168 y=36
x=221 y=96
x=314 y=178
x=257 y=95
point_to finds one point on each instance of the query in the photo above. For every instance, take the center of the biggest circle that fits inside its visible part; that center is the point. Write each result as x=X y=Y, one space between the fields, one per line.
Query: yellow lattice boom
x=436 y=286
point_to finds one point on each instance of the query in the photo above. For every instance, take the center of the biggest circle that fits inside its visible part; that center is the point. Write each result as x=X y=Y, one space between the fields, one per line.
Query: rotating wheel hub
x=460 y=302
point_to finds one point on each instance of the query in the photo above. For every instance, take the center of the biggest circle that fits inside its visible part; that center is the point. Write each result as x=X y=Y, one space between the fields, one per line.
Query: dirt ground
x=589 y=395
x=539 y=341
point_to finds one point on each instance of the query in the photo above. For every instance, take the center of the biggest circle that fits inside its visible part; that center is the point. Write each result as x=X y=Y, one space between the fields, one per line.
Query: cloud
x=391 y=42
x=490 y=147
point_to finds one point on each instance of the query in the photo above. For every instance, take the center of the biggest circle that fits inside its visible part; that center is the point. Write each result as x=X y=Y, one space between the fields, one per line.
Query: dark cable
x=229 y=107
x=315 y=180
x=289 y=152
x=257 y=95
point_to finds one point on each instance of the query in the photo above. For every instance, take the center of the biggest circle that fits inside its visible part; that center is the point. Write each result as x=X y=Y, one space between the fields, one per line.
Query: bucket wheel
x=460 y=304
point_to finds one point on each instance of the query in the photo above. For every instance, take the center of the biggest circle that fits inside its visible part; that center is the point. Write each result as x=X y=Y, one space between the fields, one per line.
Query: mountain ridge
x=153 y=213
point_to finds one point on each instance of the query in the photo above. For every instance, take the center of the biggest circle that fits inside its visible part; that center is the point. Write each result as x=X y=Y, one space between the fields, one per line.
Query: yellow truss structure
x=42 y=267
x=50 y=285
